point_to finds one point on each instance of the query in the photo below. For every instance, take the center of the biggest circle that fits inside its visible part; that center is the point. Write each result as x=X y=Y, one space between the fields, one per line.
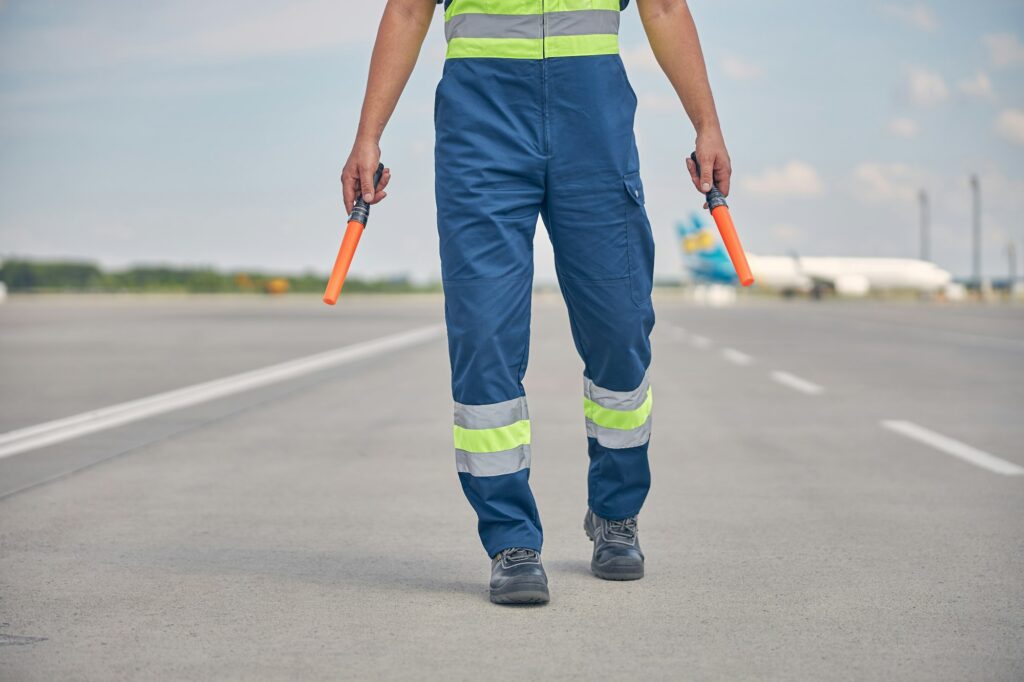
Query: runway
x=251 y=488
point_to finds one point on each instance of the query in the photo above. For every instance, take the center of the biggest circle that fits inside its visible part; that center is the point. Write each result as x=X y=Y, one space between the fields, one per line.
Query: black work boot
x=517 y=577
x=617 y=554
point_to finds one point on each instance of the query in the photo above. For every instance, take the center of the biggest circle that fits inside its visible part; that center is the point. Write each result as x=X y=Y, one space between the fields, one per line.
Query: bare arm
x=673 y=37
x=399 y=38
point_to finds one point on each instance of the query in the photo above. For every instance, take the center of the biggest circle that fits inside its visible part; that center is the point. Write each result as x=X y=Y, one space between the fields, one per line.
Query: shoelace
x=625 y=528
x=518 y=553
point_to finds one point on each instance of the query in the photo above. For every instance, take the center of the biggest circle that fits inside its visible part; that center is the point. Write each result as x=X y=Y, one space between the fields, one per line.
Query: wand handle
x=723 y=219
x=356 y=224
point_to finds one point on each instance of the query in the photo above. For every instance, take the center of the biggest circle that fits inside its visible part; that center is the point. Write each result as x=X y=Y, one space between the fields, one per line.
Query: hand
x=357 y=176
x=715 y=165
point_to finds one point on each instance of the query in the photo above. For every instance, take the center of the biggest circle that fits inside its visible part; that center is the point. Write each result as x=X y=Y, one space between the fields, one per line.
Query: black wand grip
x=715 y=197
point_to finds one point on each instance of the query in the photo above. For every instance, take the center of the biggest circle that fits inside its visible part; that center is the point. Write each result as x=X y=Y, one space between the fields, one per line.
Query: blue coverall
x=534 y=116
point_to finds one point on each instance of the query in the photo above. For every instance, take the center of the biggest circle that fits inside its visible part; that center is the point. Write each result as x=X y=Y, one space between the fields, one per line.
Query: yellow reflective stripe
x=494 y=7
x=503 y=48
x=526 y=6
x=623 y=420
x=575 y=5
x=532 y=48
x=581 y=46
x=493 y=440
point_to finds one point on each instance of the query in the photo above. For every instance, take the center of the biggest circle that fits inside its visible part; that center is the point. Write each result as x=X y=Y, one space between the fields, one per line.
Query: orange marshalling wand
x=356 y=225
x=720 y=212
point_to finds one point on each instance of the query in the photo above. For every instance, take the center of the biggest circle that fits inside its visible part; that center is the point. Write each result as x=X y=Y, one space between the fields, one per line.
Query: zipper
x=544 y=75
x=543 y=31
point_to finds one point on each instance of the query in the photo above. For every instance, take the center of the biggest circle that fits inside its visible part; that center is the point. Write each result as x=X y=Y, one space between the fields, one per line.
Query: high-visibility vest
x=531 y=29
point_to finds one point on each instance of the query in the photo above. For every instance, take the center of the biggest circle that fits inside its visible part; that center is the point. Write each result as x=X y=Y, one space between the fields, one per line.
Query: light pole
x=922 y=197
x=976 y=233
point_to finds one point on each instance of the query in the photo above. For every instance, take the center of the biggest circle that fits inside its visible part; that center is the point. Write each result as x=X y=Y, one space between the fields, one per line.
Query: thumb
x=707 y=168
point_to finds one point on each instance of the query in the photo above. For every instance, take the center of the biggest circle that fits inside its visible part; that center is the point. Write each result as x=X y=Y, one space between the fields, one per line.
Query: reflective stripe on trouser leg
x=492 y=440
x=618 y=419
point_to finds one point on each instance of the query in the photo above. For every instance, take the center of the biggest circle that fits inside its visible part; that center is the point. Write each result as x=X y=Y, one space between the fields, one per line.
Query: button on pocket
x=634 y=187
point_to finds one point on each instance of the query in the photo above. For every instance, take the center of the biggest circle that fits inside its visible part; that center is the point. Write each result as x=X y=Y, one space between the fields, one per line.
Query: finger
x=707 y=166
x=366 y=182
x=723 y=178
x=348 y=191
x=692 y=168
x=379 y=197
x=385 y=178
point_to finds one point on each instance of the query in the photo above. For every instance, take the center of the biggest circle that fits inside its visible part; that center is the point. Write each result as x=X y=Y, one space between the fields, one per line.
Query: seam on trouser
x=485 y=280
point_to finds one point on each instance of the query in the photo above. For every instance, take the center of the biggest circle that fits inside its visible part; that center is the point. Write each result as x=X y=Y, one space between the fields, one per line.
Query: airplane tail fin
x=694 y=236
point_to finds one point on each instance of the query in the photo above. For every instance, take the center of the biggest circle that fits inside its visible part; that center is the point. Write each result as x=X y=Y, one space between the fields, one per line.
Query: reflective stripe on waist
x=532 y=29
x=532 y=26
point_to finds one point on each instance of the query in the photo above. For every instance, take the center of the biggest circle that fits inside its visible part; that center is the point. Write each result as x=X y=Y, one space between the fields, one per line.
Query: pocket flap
x=634 y=188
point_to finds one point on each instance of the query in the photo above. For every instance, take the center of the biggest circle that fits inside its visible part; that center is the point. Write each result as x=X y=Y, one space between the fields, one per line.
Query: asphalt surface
x=314 y=528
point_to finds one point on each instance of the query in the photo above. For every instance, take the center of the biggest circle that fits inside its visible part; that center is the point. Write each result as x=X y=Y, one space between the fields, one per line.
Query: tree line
x=56 y=276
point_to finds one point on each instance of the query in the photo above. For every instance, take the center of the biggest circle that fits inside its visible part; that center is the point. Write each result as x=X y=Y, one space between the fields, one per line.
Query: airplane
x=709 y=264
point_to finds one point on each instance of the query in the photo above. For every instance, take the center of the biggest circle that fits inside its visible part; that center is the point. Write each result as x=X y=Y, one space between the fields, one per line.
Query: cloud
x=879 y=182
x=1010 y=125
x=925 y=88
x=75 y=39
x=1004 y=49
x=917 y=15
x=980 y=86
x=795 y=178
x=291 y=27
x=739 y=69
x=904 y=127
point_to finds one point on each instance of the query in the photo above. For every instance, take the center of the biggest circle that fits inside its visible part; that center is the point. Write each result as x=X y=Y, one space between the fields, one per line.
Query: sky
x=212 y=132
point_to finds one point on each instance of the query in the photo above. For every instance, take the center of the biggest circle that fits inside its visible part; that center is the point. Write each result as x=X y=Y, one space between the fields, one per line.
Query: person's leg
x=489 y=187
x=604 y=254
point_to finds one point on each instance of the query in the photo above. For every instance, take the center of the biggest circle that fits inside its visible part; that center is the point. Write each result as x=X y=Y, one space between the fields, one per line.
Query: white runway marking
x=796 y=383
x=954 y=447
x=736 y=357
x=49 y=433
x=698 y=341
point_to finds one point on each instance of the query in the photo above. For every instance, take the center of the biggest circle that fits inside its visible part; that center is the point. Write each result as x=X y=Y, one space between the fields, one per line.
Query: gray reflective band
x=582 y=22
x=617 y=439
x=493 y=463
x=533 y=26
x=491 y=416
x=494 y=26
x=616 y=400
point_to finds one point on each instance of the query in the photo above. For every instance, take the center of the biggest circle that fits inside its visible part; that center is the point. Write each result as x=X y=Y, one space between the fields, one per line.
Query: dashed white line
x=953 y=447
x=60 y=430
x=796 y=383
x=678 y=333
x=736 y=357
x=698 y=341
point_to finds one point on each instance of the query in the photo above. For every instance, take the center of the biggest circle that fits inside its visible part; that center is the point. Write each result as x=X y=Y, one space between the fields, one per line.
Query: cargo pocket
x=640 y=242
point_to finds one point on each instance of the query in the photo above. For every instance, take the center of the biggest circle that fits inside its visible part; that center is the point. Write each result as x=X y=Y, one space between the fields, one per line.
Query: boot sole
x=521 y=592
x=611 y=570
